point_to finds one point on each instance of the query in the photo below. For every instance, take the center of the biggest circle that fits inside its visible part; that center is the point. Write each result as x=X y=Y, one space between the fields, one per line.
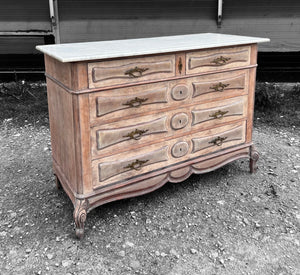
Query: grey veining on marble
x=72 y=52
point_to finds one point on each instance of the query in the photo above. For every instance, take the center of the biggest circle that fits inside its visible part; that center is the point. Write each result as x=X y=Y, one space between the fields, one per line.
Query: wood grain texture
x=132 y=164
x=182 y=118
x=82 y=143
x=213 y=86
x=236 y=108
x=107 y=106
x=60 y=106
x=59 y=71
x=79 y=76
x=214 y=60
x=251 y=97
x=217 y=141
x=132 y=154
x=108 y=137
x=156 y=180
x=109 y=73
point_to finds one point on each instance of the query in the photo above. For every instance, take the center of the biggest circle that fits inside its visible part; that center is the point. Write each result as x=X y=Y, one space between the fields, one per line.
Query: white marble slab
x=72 y=52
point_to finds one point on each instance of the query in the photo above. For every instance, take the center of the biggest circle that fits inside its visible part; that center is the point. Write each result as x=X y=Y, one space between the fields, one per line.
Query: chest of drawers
x=128 y=116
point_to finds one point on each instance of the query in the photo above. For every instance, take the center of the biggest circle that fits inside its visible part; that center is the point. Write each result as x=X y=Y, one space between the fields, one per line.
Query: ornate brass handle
x=136 y=102
x=132 y=72
x=219 y=87
x=136 y=165
x=218 y=141
x=219 y=114
x=220 y=60
x=136 y=134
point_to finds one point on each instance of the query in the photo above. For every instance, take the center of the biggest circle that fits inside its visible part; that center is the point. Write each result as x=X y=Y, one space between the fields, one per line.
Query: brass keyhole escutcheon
x=180 y=65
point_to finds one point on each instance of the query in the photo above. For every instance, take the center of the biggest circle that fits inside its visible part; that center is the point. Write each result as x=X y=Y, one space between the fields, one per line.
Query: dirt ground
x=224 y=222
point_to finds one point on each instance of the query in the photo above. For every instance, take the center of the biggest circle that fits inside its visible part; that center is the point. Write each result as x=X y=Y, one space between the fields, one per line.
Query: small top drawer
x=219 y=59
x=127 y=71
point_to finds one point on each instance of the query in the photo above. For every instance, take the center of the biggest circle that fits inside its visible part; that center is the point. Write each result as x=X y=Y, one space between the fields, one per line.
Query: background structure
x=25 y=24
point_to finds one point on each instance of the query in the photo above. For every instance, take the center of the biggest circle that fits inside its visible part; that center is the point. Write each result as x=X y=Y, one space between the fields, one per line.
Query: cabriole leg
x=254 y=156
x=80 y=213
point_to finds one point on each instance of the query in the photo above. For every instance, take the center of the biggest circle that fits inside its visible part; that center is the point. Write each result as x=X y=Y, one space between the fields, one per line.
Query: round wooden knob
x=180 y=92
x=180 y=149
x=179 y=121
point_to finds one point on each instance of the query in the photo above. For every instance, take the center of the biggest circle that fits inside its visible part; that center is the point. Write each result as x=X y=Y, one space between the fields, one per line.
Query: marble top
x=72 y=52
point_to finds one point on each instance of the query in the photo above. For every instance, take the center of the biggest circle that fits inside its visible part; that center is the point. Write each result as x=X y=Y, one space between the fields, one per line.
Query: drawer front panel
x=127 y=71
x=117 y=104
x=126 y=165
x=214 y=60
x=235 y=110
x=219 y=140
x=219 y=85
x=125 y=135
x=112 y=136
x=133 y=164
x=123 y=103
x=105 y=105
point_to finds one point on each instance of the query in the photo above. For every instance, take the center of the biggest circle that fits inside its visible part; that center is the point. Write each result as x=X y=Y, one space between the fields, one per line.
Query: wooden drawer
x=129 y=134
x=214 y=113
x=218 y=59
x=220 y=85
x=127 y=71
x=121 y=103
x=219 y=140
x=126 y=165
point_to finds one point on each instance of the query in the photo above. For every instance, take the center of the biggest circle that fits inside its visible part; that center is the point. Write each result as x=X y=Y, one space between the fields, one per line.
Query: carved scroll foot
x=57 y=183
x=254 y=156
x=80 y=213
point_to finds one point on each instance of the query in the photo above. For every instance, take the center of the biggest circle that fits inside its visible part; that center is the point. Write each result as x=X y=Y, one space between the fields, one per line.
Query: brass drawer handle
x=136 y=72
x=219 y=114
x=136 y=134
x=218 y=141
x=219 y=87
x=221 y=60
x=136 y=165
x=136 y=102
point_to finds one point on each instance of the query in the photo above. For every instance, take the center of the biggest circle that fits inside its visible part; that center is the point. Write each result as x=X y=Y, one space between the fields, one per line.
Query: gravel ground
x=224 y=222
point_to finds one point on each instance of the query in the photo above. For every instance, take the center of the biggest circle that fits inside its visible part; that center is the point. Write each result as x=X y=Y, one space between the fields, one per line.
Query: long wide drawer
x=127 y=71
x=129 y=164
x=139 y=131
x=123 y=103
x=215 y=60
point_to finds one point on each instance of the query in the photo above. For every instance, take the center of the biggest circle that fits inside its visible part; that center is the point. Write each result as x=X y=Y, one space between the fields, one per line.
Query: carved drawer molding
x=109 y=73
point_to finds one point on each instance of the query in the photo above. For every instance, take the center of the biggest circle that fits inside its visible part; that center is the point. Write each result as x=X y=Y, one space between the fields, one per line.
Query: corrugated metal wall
x=91 y=20
x=20 y=15
x=116 y=19
x=279 y=20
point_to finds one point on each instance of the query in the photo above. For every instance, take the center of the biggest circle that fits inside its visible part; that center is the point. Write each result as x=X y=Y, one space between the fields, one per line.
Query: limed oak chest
x=128 y=116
